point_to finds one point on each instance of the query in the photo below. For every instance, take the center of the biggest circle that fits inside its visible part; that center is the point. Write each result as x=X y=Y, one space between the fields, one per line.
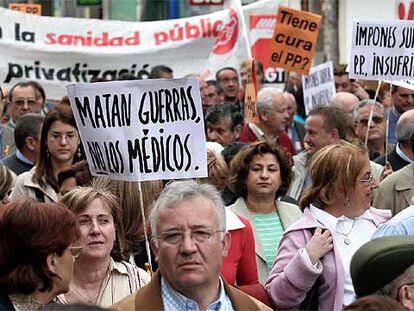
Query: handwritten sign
x=141 y=130
x=250 y=94
x=35 y=9
x=319 y=86
x=294 y=39
x=382 y=50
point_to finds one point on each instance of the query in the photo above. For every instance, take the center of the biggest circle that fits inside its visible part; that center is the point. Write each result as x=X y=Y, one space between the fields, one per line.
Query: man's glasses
x=177 y=237
x=377 y=120
x=22 y=102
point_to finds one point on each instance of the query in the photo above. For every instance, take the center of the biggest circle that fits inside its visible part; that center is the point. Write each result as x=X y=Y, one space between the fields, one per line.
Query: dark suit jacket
x=13 y=163
x=395 y=160
x=149 y=298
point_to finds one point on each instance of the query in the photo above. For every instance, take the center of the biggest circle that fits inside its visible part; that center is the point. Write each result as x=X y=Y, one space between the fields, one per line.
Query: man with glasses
x=402 y=101
x=377 y=127
x=21 y=100
x=188 y=226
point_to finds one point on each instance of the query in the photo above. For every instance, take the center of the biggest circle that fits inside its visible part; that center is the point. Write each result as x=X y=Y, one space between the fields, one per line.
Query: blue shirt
x=173 y=300
x=392 y=124
x=400 y=224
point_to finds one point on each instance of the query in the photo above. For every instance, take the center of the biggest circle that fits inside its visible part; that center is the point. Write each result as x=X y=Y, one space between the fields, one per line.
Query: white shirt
x=357 y=230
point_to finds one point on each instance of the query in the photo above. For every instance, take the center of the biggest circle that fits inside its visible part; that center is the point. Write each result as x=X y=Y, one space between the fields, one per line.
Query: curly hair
x=239 y=166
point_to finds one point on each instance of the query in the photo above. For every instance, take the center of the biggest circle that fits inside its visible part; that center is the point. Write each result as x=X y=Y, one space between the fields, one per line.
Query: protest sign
x=382 y=50
x=141 y=130
x=319 y=86
x=250 y=96
x=59 y=51
x=294 y=39
x=261 y=34
x=35 y=9
x=408 y=84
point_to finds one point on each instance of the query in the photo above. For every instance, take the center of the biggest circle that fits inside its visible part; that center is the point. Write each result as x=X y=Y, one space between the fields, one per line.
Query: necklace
x=89 y=301
x=347 y=239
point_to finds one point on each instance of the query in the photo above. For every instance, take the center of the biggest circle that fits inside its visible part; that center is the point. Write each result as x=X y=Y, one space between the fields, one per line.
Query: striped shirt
x=174 y=301
x=270 y=231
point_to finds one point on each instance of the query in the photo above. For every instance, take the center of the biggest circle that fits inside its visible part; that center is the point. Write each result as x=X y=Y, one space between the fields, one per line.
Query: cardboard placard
x=294 y=39
x=141 y=130
x=250 y=94
x=318 y=86
x=382 y=50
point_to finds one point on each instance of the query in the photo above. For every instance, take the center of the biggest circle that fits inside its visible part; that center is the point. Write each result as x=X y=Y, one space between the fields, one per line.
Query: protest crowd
x=306 y=201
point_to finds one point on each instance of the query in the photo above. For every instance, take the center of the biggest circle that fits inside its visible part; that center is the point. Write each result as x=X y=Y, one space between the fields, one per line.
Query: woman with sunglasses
x=59 y=149
x=37 y=253
x=101 y=275
x=312 y=267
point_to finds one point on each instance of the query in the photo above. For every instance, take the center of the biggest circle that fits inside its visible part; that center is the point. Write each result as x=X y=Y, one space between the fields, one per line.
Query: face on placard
x=317 y=136
x=264 y=175
x=190 y=263
x=23 y=101
x=62 y=141
x=360 y=197
x=220 y=132
x=403 y=99
x=229 y=81
x=97 y=230
x=377 y=126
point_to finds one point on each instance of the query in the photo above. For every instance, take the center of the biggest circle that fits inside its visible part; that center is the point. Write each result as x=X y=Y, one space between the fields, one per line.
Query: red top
x=239 y=266
x=248 y=136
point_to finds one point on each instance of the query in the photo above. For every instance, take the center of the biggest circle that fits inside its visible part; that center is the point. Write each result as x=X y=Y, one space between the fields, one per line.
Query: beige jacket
x=395 y=191
x=25 y=186
x=288 y=214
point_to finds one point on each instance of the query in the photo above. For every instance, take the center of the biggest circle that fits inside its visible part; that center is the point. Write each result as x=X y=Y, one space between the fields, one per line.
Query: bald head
x=405 y=126
x=344 y=101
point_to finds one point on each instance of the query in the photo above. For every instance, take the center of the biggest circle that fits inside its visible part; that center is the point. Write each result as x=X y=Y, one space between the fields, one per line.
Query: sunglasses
x=377 y=120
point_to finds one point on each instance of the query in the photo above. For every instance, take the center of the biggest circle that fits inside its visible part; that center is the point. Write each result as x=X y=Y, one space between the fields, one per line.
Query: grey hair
x=180 y=191
x=265 y=98
x=404 y=128
x=362 y=104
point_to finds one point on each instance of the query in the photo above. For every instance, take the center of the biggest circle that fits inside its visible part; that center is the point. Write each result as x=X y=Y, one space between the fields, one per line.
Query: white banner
x=382 y=50
x=319 y=86
x=59 y=51
x=141 y=130
x=408 y=84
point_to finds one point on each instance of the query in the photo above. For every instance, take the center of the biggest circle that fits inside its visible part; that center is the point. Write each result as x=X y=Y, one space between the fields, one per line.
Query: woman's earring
x=347 y=203
x=47 y=153
x=78 y=153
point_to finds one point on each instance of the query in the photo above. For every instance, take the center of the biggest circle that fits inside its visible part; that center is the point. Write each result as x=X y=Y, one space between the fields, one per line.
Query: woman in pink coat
x=311 y=270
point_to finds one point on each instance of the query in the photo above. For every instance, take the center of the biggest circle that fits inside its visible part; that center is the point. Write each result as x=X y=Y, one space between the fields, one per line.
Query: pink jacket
x=292 y=276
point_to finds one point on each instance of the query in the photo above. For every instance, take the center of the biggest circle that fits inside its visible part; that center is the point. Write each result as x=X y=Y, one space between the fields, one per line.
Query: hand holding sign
x=294 y=39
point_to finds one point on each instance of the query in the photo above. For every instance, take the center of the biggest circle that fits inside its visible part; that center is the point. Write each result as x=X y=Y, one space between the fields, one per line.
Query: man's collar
x=182 y=301
x=402 y=154
x=22 y=158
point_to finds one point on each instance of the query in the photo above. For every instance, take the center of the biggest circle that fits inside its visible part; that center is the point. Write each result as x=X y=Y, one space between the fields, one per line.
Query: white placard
x=408 y=84
x=141 y=130
x=318 y=86
x=59 y=51
x=382 y=50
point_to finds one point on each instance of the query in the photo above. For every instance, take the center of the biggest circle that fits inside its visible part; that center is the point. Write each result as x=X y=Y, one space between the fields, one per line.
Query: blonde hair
x=7 y=180
x=333 y=170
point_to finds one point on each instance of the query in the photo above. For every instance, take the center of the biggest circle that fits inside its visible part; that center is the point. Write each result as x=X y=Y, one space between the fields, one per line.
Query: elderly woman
x=128 y=197
x=311 y=270
x=37 y=253
x=259 y=174
x=59 y=148
x=100 y=276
